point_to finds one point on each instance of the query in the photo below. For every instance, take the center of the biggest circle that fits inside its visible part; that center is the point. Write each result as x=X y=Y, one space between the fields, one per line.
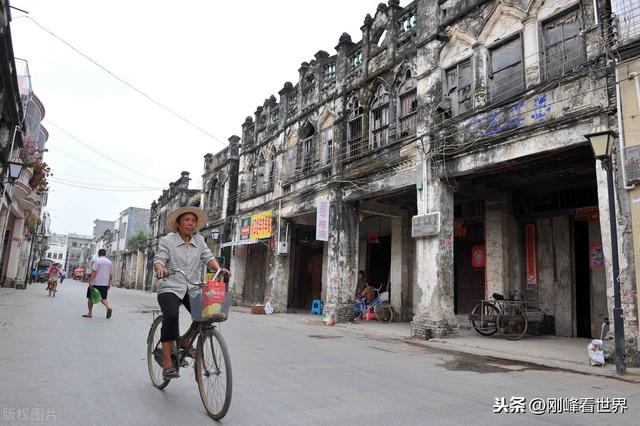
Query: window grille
x=379 y=122
x=329 y=71
x=506 y=71
x=356 y=59
x=407 y=106
x=354 y=128
x=458 y=87
x=407 y=22
x=564 y=47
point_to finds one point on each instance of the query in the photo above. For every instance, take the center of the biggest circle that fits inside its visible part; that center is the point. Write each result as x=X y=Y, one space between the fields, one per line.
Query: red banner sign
x=530 y=246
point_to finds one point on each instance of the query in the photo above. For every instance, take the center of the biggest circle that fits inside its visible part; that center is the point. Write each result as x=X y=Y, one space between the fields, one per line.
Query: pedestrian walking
x=186 y=250
x=100 y=279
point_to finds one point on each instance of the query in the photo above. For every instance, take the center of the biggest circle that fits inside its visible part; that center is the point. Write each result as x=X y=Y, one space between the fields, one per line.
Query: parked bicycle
x=514 y=318
x=212 y=361
x=381 y=308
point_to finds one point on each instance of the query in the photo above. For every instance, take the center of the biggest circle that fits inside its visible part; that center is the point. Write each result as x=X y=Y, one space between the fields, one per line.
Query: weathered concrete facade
x=473 y=110
x=345 y=131
x=219 y=197
x=627 y=77
x=509 y=168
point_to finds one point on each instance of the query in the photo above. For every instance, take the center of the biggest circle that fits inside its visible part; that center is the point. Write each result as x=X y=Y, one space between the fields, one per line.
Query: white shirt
x=102 y=267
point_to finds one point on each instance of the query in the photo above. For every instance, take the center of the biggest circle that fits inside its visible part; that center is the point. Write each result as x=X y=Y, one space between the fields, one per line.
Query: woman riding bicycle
x=54 y=275
x=186 y=250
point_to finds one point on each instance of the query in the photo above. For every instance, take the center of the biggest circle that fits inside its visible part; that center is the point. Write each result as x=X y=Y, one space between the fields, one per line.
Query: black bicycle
x=212 y=361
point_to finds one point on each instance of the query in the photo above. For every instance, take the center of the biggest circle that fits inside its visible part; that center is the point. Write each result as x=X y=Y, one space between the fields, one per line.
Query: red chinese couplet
x=478 y=256
x=530 y=243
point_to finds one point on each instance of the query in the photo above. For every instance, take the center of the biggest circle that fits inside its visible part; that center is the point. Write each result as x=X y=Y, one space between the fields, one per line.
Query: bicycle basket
x=210 y=302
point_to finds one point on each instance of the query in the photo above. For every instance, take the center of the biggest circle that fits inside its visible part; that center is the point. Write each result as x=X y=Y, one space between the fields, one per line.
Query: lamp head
x=215 y=234
x=602 y=140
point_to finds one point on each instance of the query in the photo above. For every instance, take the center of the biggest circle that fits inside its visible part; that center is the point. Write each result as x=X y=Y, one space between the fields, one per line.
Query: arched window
x=259 y=175
x=354 y=127
x=407 y=106
x=272 y=169
x=306 y=149
x=379 y=119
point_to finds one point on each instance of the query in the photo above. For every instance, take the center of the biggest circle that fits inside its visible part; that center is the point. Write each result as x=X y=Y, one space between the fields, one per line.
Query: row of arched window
x=390 y=118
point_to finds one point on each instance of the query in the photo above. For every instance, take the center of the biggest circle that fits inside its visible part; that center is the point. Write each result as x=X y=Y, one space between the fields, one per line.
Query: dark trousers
x=170 y=306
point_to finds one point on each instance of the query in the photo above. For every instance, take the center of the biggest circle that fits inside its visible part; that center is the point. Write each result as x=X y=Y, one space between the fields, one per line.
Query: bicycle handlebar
x=178 y=271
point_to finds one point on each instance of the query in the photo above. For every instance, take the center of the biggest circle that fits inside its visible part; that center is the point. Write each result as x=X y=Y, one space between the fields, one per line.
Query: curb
x=550 y=364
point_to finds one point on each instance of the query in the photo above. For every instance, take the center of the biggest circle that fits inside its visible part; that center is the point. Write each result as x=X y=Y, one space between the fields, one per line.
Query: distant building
x=100 y=226
x=132 y=222
x=79 y=251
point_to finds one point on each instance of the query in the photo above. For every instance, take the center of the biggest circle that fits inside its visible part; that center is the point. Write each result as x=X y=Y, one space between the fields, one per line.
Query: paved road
x=60 y=367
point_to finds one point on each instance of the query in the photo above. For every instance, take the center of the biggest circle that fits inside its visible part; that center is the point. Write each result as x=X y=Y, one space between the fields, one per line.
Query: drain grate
x=324 y=336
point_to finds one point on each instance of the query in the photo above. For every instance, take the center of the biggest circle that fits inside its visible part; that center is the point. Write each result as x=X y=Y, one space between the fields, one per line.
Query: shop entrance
x=254 y=281
x=582 y=279
x=379 y=262
x=306 y=285
x=469 y=270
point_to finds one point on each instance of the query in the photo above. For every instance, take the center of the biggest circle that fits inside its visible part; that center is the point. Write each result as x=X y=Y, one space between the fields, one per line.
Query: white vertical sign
x=322 y=219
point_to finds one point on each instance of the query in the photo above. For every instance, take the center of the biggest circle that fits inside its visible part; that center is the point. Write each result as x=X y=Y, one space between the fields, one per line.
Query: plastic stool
x=316 y=307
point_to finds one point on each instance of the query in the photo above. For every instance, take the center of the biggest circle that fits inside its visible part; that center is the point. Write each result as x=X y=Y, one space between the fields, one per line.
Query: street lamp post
x=602 y=142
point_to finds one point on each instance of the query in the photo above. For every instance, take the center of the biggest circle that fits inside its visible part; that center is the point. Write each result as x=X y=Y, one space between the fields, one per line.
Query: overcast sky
x=213 y=62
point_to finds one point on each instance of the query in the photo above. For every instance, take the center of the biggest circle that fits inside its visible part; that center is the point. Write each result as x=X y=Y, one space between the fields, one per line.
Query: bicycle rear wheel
x=213 y=373
x=384 y=312
x=512 y=322
x=154 y=355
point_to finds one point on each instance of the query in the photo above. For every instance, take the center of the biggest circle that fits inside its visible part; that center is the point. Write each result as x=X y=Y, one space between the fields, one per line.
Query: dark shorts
x=170 y=307
x=103 y=289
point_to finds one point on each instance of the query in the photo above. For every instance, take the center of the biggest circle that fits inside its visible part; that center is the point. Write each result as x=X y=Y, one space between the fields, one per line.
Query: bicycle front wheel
x=484 y=318
x=384 y=312
x=213 y=373
x=512 y=322
x=154 y=355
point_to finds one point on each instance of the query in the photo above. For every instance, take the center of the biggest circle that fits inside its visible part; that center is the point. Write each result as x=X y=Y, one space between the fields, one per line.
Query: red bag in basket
x=213 y=295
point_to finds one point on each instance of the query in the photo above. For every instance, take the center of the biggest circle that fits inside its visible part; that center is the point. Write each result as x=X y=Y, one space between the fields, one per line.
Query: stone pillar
x=278 y=274
x=628 y=288
x=14 y=249
x=497 y=248
x=398 y=274
x=238 y=269
x=434 y=267
x=342 y=252
x=532 y=68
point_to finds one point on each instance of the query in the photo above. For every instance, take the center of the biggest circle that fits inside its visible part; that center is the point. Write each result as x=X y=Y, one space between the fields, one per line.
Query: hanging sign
x=478 y=256
x=322 y=219
x=596 y=256
x=530 y=246
x=245 y=228
x=261 y=225
x=425 y=225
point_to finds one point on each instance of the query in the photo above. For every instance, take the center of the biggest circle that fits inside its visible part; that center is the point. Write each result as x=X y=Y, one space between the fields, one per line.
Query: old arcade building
x=449 y=145
x=509 y=90
x=343 y=134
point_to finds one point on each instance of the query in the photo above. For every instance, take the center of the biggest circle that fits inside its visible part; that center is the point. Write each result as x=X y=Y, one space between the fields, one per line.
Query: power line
x=126 y=83
x=86 y=145
x=101 y=188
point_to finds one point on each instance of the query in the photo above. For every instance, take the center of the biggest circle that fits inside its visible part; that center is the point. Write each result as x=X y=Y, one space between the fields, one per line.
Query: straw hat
x=172 y=225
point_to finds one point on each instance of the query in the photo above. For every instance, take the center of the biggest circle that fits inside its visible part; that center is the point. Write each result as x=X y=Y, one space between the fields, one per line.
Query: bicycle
x=212 y=361
x=508 y=316
x=382 y=310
